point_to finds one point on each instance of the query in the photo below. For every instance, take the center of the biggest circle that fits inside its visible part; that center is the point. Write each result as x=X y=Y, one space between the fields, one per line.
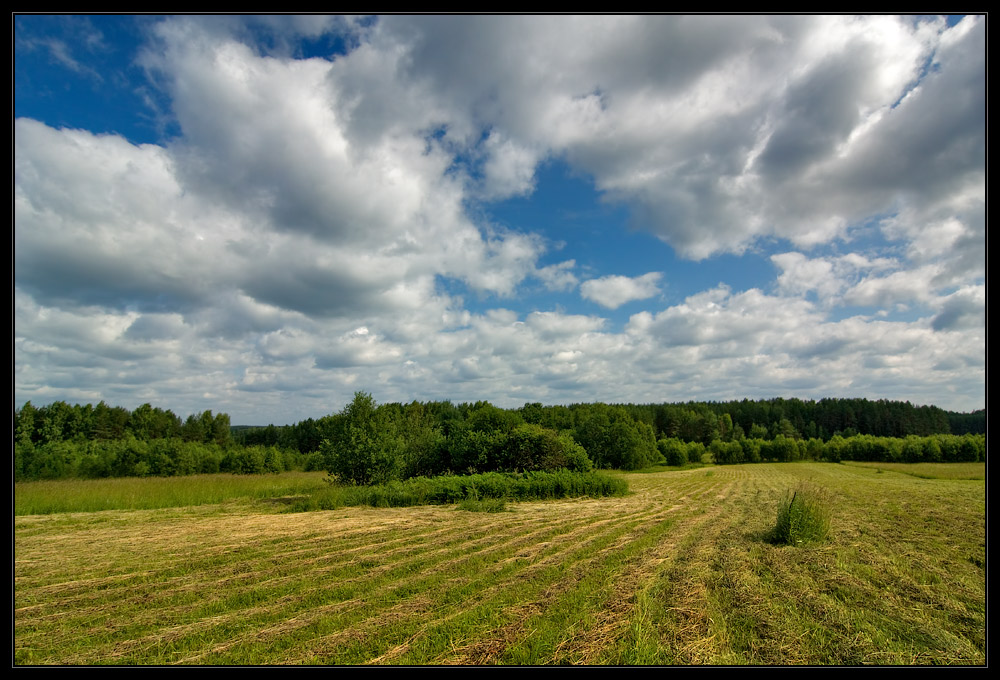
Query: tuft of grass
x=803 y=518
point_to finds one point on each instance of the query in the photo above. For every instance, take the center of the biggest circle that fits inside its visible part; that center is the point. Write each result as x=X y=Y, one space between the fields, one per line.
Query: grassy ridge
x=678 y=572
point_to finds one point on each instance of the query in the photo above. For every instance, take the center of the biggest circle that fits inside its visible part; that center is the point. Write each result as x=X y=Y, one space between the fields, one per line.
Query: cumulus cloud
x=965 y=308
x=614 y=291
x=559 y=276
x=315 y=223
x=827 y=277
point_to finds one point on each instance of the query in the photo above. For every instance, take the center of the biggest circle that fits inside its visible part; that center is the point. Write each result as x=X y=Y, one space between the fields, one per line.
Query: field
x=931 y=470
x=678 y=572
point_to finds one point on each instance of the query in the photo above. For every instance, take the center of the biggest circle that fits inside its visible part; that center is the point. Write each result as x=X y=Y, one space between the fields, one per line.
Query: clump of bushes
x=803 y=518
x=474 y=489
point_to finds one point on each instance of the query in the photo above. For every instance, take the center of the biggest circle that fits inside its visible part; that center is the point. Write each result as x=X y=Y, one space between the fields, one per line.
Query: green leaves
x=365 y=446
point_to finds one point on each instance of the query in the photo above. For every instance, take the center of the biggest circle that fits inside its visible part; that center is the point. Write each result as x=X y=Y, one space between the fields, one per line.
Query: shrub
x=673 y=450
x=802 y=518
x=478 y=489
x=725 y=453
x=245 y=461
x=696 y=452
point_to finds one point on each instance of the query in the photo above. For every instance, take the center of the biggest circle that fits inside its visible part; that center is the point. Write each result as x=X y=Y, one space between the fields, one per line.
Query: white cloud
x=614 y=291
x=964 y=309
x=559 y=276
x=306 y=199
x=828 y=277
x=760 y=126
x=555 y=325
x=509 y=169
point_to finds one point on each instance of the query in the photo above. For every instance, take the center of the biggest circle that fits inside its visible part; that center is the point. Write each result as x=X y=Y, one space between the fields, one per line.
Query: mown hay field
x=678 y=572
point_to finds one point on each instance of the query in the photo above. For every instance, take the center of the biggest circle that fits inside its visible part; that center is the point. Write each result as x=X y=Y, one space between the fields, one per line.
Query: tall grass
x=803 y=518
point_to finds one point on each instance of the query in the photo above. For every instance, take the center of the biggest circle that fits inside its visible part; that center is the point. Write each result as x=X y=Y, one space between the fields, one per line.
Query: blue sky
x=261 y=215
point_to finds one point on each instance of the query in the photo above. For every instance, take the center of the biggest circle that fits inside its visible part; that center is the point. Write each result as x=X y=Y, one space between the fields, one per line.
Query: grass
x=803 y=518
x=929 y=470
x=146 y=493
x=674 y=573
x=663 y=467
x=483 y=505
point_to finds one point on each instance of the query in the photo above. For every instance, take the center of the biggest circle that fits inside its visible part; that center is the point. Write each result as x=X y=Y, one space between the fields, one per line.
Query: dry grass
x=676 y=573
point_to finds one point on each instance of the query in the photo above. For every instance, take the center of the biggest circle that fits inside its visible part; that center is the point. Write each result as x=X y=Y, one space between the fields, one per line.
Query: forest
x=366 y=442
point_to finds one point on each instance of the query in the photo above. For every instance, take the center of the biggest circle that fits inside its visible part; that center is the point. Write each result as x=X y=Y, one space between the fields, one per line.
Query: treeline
x=692 y=421
x=429 y=438
x=800 y=419
x=702 y=422
x=367 y=442
x=940 y=448
x=131 y=457
x=62 y=441
x=60 y=422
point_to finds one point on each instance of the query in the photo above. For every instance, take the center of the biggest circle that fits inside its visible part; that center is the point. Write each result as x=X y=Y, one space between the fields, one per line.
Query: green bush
x=803 y=518
x=673 y=450
x=524 y=486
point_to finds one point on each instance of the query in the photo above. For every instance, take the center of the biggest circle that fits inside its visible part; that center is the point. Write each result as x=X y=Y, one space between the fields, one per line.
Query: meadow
x=930 y=470
x=147 y=493
x=679 y=571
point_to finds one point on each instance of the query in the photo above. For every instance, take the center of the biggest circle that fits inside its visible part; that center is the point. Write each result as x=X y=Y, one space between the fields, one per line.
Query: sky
x=263 y=215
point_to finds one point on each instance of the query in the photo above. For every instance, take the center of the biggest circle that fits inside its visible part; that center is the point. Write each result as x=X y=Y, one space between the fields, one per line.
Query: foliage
x=726 y=453
x=673 y=450
x=365 y=446
x=613 y=439
x=484 y=505
x=695 y=452
x=537 y=485
x=367 y=443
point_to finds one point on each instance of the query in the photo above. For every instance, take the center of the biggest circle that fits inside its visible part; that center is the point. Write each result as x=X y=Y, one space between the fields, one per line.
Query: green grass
x=663 y=467
x=483 y=505
x=803 y=518
x=144 y=493
x=676 y=572
x=930 y=470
